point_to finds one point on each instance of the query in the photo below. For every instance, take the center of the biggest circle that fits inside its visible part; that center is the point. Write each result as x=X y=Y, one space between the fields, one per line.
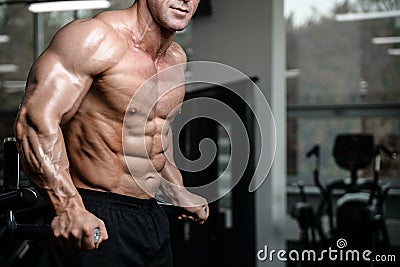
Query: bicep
x=54 y=89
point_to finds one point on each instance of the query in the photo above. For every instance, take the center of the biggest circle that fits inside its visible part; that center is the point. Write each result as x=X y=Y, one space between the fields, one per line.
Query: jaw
x=177 y=20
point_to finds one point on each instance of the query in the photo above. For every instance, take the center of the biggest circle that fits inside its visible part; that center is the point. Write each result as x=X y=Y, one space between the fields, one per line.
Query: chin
x=176 y=26
x=179 y=28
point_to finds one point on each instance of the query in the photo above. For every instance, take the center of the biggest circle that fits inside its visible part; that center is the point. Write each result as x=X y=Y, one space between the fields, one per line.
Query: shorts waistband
x=115 y=200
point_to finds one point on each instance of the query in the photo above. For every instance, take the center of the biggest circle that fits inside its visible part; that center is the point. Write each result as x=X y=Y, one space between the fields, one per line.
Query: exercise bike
x=353 y=206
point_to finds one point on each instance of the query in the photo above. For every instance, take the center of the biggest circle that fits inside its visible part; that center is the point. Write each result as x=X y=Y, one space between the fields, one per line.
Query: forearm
x=44 y=160
x=172 y=183
x=175 y=192
x=178 y=195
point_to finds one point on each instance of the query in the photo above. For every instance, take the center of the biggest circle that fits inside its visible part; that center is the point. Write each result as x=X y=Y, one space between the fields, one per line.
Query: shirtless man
x=69 y=133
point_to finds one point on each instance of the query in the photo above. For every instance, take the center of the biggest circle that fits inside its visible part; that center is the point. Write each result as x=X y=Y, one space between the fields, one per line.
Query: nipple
x=136 y=47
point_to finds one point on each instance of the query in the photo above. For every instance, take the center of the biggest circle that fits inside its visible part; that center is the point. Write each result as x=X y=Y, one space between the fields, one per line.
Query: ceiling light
x=365 y=16
x=386 y=40
x=394 y=51
x=67 y=5
x=292 y=73
x=4 y=39
x=7 y=68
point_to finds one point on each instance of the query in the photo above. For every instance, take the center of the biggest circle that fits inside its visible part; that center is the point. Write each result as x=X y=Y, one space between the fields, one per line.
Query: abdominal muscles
x=144 y=155
x=101 y=159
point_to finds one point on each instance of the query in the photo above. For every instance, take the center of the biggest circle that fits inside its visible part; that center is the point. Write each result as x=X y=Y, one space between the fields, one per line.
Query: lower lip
x=180 y=12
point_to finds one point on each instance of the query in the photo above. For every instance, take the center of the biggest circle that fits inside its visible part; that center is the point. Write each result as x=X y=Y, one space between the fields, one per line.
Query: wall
x=235 y=34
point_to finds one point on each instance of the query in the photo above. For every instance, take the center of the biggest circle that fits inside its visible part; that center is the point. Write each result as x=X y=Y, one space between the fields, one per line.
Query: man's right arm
x=57 y=83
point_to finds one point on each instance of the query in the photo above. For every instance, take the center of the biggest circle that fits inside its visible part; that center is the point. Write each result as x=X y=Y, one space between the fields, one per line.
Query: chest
x=137 y=84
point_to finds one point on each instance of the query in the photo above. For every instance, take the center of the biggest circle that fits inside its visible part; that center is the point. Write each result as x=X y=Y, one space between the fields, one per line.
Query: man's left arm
x=172 y=186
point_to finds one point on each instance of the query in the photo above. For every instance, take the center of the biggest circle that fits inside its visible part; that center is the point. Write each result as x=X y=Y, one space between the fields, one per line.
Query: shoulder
x=87 y=40
x=111 y=17
x=87 y=32
x=177 y=54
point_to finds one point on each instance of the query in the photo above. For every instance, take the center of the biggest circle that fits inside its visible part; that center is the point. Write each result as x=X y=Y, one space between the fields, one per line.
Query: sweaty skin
x=69 y=127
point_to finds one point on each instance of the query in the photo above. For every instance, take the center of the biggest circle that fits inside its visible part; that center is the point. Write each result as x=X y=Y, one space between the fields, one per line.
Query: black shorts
x=138 y=234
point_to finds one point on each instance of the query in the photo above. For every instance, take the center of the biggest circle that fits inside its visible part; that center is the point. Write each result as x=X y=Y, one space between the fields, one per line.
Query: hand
x=196 y=206
x=74 y=229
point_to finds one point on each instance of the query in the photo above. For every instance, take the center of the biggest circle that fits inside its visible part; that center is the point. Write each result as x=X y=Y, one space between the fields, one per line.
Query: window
x=341 y=78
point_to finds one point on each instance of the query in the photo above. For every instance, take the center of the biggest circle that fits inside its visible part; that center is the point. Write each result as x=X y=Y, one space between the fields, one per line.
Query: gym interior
x=320 y=184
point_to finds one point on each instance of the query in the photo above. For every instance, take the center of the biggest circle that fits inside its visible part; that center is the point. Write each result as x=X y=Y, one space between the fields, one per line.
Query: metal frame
x=346 y=110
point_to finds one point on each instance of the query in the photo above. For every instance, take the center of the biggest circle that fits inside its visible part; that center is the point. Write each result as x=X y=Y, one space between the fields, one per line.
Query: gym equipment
x=357 y=214
x=308 y=219
x=19 y=201
x=360 y=211
x=23 y=216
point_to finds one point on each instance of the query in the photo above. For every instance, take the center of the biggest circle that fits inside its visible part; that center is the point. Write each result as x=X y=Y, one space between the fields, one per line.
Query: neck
x=147 y=35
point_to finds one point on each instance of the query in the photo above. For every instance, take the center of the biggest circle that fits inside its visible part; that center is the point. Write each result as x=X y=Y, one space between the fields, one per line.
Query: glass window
x=342 y=77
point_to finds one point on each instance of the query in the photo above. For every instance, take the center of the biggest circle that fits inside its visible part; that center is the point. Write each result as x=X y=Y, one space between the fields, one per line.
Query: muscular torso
x=104 y=152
